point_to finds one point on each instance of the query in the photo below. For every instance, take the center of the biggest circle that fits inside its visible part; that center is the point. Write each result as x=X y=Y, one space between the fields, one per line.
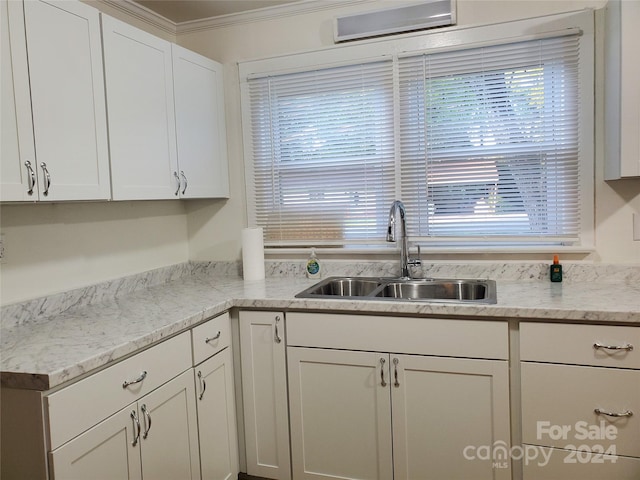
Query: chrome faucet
x=397 y=208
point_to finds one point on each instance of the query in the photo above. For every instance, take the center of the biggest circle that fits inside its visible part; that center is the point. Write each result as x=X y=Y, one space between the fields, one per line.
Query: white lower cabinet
x=557 y=464
x=445 y=412
x=264 y=387
x=217 y=417
x=170 y=444
x=340 y=414
x=153 y=415
x=155 y=437
x=106 y=451
x=373 y=415
x=580 y=401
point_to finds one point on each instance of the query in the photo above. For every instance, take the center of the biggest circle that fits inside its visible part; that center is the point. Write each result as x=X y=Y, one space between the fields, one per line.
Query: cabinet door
x=630 y=94
x=67 y=96
x=142 y=134
x=559 y=404
x=18 y=183
x=622 y=98
x=169 y=436
x=340 y=414
x=217 y=418
x=441 y=406
x=556 y=464
x=200 y=125
x=264 y=387
x=109 y=450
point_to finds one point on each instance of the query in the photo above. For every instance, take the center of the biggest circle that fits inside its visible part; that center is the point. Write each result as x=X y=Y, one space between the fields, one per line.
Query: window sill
x=276 y=252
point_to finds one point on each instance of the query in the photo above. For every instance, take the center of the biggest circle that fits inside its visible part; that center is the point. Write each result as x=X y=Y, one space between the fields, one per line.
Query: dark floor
x=245 y=476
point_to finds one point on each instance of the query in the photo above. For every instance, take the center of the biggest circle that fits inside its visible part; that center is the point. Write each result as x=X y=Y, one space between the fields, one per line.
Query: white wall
x=55 y=247
x=51 y=248
x=214 y=230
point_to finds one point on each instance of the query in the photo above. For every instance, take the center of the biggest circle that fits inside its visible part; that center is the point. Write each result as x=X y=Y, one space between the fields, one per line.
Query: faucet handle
x=415 y=262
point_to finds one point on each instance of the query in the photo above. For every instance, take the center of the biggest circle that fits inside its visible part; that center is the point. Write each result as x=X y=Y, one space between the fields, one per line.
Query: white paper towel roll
x=252 y=253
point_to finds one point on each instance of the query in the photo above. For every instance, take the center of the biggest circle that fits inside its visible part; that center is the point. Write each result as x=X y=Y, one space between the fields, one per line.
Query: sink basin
x=460 y=290
x=427 y=290
x=346 y=287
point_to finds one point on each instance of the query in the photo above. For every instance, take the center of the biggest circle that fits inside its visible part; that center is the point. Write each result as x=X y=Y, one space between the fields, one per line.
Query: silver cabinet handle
x=47 y=178
x=277 y=336
x=136 y=426
x=203 y=385
x=628 y=413
x=185 y=181
x=395 y=373
x=147 y=421
x=382 y=382
x=31 y=179
x=215 y=337
x=628 y=347
x=142 y=376
x=175 y=174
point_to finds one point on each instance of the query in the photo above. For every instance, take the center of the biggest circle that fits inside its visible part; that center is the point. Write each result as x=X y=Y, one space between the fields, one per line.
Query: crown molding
x=139 y=12
x=144 y=14
x=267 y=13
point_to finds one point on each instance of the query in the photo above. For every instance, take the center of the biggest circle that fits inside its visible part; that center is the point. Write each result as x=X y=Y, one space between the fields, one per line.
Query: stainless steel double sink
x=426 y=290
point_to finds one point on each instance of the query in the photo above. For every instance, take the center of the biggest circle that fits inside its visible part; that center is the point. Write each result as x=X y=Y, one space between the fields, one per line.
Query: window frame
x=442 y=40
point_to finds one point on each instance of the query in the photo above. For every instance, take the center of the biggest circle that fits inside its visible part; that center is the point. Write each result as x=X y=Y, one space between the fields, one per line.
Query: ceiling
x=185 y=10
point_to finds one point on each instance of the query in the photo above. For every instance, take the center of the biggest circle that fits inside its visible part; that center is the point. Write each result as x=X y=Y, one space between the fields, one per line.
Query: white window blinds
x=481 y=144
x=489 y=142
x=323 y=154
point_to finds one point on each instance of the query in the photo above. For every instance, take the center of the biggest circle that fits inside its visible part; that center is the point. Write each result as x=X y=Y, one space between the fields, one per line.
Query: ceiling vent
x=408 y=18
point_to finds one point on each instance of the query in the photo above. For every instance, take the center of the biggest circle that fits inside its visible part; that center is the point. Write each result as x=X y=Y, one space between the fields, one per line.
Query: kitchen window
x=487 y=146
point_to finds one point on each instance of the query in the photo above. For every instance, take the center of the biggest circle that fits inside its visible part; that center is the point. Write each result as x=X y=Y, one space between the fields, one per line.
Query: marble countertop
x=43 y=352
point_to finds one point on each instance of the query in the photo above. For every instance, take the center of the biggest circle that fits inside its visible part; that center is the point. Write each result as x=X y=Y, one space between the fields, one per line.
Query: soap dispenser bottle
x=313 y=265
x=555 y=270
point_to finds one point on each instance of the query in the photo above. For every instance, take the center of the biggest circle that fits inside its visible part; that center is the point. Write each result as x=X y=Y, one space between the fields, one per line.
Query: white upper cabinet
x=200 y=125
x=63 y=82
x=166 y=118
x=17 y=157
x=622 y=95
x=139 y=82
x=66 y=89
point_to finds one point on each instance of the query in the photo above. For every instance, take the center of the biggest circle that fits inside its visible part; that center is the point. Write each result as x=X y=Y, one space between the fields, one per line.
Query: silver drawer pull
x=628 y=347
x=215 y=337
x=147 y=421
x=203 y=385
x=136 y=423
x=395 y=372
x=47 y=178
x=142 y=376
x=31 y=179
x=175 y=174
x=277 y=337
x=185 y=181
x=628 y=413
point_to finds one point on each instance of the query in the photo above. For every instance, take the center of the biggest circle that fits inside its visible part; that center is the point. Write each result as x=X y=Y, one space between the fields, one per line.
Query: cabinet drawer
x=546 y=342
x=78 y=407
x=421 y=336
x=211 y=337
x=555 y=464
x=565 y=396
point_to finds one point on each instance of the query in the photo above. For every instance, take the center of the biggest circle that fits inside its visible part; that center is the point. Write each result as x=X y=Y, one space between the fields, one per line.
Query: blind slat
x=484 y=140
